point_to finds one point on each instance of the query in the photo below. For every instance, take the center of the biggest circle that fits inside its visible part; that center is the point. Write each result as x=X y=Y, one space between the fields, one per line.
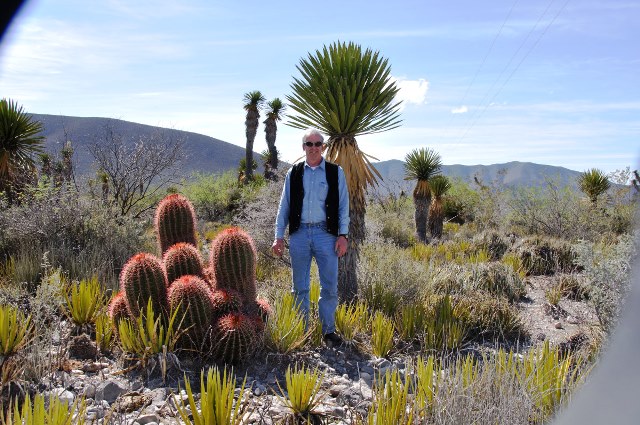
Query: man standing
x=315 y=206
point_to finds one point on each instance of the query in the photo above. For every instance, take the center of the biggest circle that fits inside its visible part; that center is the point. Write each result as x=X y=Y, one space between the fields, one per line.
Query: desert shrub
x=445 y=324
x=391 y=218
x=491 y=318
x=81 y=236
x=493 y=242
x=497 y=279
x=388 y=276
x=607 y=270
x=545 y=255
x=460 y=202
x=216 y=197
x=573 y=286
x=494 y=278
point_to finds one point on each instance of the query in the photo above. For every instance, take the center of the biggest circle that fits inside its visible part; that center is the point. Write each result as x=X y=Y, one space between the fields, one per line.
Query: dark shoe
x=332 y=340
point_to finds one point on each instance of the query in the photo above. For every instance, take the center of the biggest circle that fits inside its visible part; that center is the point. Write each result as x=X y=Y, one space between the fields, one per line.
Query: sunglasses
x=316 y=144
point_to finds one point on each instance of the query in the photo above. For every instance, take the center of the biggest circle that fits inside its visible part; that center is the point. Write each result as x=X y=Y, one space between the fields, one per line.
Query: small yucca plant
x=15 y=330
x=410 y=320
x=381 y=335
x=391 y=405
x=104 y=333
x=302 y=393
x=445 y=328
x=285 y=328
x=55 y=412
x=427 y=375
x=148 y=335
x=218 y=404
x=84 y=301
x=349 y=319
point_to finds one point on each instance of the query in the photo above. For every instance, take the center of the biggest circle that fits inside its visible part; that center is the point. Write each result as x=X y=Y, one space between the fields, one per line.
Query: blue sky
x=548 y=81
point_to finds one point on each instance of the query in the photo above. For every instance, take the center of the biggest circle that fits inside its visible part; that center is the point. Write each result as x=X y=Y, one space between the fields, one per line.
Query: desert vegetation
x=440 y=332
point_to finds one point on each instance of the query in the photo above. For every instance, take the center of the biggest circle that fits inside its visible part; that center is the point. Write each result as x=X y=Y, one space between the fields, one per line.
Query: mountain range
x=210 y=155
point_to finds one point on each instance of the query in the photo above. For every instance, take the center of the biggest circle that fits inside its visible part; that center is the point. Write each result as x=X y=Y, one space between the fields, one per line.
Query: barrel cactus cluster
x=218 y=309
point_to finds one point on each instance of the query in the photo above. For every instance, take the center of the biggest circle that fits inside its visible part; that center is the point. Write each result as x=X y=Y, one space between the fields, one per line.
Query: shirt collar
x=321 y=165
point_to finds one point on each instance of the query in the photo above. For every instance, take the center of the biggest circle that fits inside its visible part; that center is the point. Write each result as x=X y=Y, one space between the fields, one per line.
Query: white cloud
x=461 y=110
x=412 y=91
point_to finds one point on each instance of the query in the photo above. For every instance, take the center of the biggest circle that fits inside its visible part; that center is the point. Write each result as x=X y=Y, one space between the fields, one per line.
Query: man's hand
x=341 y=246
x=278 y=247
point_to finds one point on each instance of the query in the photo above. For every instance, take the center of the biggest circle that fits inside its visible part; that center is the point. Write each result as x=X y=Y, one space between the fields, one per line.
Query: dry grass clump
x=492 y=318
x=493 y=242
x=495 y=278
x=545 y=255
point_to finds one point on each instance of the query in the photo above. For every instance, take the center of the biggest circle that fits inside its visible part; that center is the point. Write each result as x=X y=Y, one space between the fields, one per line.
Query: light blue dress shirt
x=316 y=188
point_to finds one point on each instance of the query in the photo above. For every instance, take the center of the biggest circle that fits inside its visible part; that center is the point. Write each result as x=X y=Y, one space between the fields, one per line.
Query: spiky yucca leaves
x=422 y=165
x=381 y=335
x=392 y=404
x=234 y=338
x=346 y=92
x=191 y=297
x=37 y=412
x=286 y=326
x=440 y=185
x=232 y=259
x=118 y=309
x=182 y=259
x=217 y=404
x=15 y=330
x=104 y=333
x=143 y=278
x=84 y=301
x=175 y=221
x=593 y=183
x=19 y=143
x=302 y=394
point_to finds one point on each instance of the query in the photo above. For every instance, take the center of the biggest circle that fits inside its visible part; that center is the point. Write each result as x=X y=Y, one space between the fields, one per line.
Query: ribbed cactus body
x=191 y=296
x=175 y=221
x=264 y=309
x=118 y=309
x=182 y=259
x=233 y=260
x=226 y=301
x=143 y=277
x=234 y=338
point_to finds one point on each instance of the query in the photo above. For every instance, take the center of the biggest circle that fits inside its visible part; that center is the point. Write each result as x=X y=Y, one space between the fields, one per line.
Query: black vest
x=296 y=196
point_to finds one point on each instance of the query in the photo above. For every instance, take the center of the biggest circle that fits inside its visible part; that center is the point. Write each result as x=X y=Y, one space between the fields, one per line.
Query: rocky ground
x=115 y=393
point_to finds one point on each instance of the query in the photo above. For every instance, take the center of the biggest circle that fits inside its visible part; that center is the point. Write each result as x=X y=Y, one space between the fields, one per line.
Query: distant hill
x=205 y=153
x=510 y=174
x=208 y=154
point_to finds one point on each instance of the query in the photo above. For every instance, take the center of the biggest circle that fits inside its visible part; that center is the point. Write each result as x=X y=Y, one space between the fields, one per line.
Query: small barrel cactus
x=143 y=277
x=182 y=259
x=232 y=259
x=118 y=309
x=192 y=297
x=234 y=338
x=226 y=301
x=175 y=221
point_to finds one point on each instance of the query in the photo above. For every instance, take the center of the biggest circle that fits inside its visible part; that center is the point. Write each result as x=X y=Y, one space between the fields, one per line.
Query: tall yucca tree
x=346 y=93
x=253 y=102
x=422 y=165
x=275 y=112
x=19 y=144
x=593 y=183
x=440 y=185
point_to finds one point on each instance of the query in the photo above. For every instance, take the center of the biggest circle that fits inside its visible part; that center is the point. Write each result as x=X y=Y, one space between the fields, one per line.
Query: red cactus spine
x=182 y=259
x=234 y=338
x=143 y=277
x=175 y=221
x=192 y=297
x=233 y=260
x=118 y=309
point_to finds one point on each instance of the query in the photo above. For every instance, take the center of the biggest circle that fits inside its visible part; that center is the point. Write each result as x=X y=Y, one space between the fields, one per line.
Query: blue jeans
x=313 y=241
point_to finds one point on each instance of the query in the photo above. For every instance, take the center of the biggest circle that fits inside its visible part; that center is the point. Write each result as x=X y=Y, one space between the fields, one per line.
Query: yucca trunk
x=436 y=219
x=421 y=215
x=359 y=174
x=252 y=121
x=271 y=129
